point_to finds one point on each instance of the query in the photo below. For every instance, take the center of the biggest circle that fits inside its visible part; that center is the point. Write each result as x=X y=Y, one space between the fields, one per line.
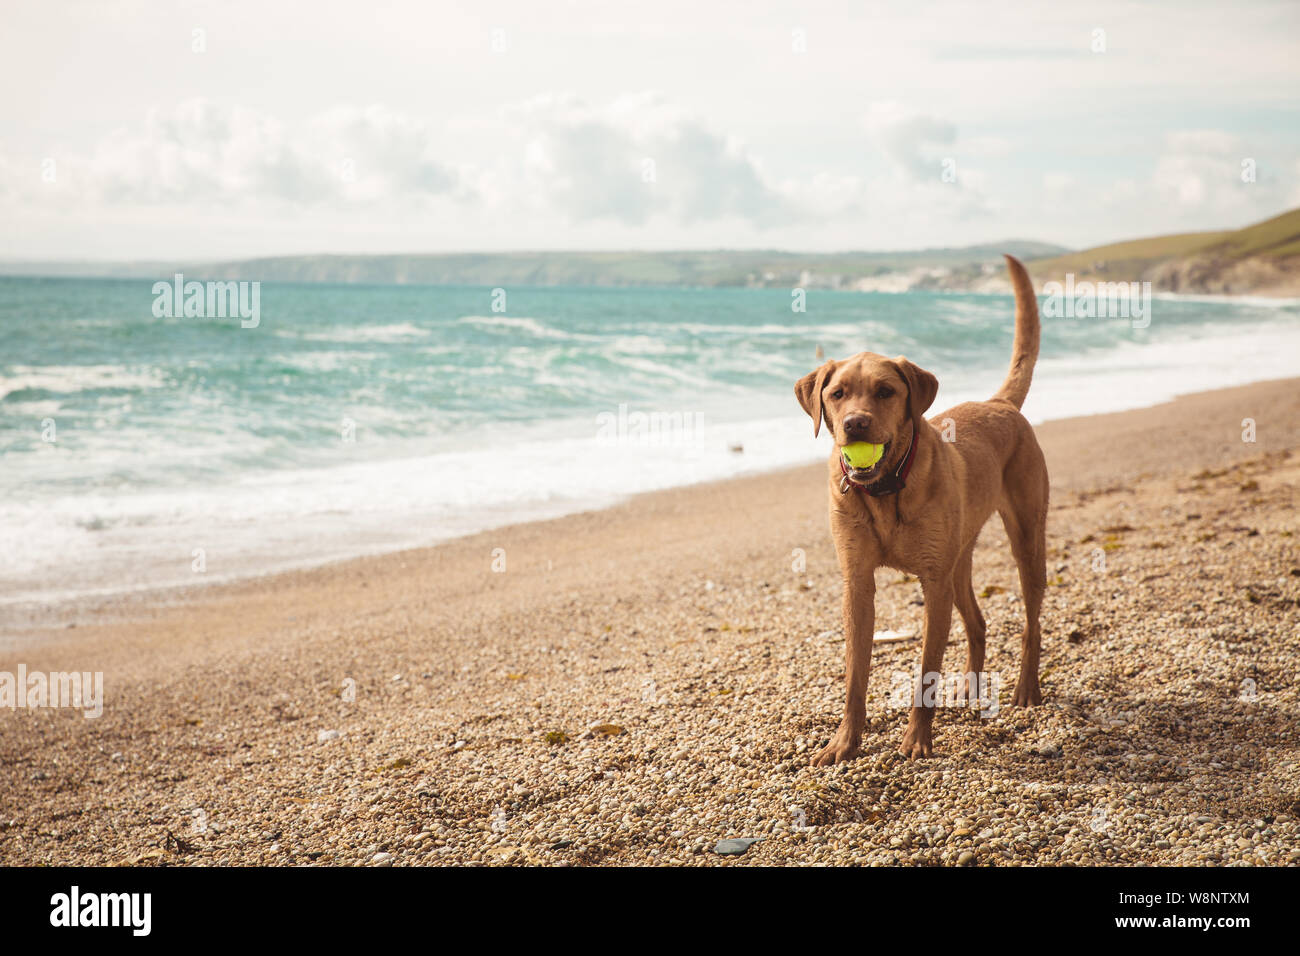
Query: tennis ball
x=862 y=454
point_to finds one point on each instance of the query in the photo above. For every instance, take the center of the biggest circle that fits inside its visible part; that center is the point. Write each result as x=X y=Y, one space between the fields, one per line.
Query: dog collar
x=890 y=484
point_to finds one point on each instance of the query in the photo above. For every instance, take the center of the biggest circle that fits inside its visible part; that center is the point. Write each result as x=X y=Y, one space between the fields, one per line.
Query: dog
x=920 y=508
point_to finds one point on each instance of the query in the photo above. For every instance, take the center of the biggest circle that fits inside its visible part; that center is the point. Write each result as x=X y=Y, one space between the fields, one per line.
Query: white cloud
x=931 y=179
x=381 y=154
x=637 y=158
x=631 y=160
x=635 y=164
x=1057 y=183
x=203 y=152
x=914 y=143
x=1200 y=174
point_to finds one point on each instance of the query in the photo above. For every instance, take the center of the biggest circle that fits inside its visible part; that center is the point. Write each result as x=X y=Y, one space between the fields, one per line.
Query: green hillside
x=1277 y=237
x=1125 y=258
x=1263 y=257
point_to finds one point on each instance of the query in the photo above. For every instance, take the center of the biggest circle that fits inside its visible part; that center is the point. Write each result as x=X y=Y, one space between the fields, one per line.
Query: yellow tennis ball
x=862 y=454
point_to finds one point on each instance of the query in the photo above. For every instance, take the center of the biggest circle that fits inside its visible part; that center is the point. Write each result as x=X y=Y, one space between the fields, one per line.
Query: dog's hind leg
x=973 y=621
x=1026 y=524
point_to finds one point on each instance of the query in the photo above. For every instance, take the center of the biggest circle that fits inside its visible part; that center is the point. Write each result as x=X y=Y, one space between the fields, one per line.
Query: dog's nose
x=857 y=424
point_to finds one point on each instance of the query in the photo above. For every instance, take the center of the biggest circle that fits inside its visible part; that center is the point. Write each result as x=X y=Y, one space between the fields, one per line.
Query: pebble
x=734 y=847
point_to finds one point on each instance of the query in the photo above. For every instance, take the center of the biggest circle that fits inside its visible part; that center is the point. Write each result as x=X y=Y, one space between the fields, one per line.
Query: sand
x=642 y=682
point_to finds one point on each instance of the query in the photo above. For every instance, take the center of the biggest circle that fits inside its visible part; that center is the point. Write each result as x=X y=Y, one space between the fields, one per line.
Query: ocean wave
x=708 y=328
x=666 y=370
x=324 y=361
x=522 y=323
x=67 y=379
x=392 y=333
x=1260 y=301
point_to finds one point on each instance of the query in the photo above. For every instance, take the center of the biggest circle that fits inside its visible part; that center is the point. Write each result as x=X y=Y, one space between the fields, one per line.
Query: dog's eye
x=838 y=393
x=884 y=392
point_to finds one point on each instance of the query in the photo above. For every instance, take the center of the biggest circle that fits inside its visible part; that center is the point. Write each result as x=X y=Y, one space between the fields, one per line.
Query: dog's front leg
x=859 y=629
x=917 y=739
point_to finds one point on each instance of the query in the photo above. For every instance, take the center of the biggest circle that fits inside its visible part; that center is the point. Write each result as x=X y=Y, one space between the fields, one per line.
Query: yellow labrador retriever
x=921 y=506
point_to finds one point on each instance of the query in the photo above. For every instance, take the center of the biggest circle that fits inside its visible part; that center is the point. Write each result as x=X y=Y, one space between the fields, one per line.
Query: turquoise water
x=362 y=418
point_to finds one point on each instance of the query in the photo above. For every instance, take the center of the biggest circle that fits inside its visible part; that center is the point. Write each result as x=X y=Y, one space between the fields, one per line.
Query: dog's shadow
x=1203 y=753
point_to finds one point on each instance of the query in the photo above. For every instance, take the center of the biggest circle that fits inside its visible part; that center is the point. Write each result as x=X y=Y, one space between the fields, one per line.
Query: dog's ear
x=921 y=388
x=809 y=392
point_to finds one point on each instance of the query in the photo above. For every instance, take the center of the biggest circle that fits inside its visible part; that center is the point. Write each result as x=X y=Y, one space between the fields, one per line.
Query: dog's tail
x=1024 y=350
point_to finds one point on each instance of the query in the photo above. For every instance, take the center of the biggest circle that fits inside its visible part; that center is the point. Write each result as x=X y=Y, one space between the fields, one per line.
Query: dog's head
x=869 y=398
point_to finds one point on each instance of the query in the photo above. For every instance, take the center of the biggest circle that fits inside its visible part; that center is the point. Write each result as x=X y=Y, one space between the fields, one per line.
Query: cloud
x=203 y=152
x=1200 y=173
x=635 y=162
x=639 y=157
x=911 y=141
x=631 y=160
x=615 y=170
x=383 y=154
x=933 y=179
x=1058 y=184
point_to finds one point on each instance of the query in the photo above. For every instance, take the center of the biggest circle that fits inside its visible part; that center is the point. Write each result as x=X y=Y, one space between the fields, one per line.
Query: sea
x=142 y=451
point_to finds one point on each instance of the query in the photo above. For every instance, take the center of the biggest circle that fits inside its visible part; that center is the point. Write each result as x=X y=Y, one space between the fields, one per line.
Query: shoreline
x=19 y=620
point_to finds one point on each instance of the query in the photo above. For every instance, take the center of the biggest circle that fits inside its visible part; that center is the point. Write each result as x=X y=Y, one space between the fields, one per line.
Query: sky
x=203 y=130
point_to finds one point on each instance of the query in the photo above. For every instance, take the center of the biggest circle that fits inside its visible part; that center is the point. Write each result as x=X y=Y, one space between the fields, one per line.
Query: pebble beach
x=640 y=685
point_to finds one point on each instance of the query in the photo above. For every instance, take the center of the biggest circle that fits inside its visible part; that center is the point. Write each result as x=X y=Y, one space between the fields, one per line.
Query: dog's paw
x=843 y=746
x=1027 y=695
x=918 y=742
